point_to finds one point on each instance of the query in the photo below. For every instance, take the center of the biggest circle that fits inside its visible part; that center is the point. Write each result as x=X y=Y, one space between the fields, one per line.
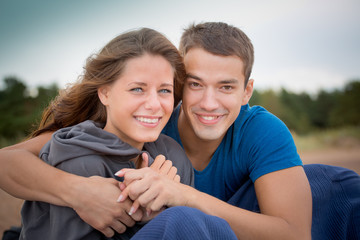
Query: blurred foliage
x=21 y=108
x=303 y=113
x=343 y=137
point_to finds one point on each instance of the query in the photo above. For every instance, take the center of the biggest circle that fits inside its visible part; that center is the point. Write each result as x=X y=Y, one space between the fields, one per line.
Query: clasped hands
x=150 y=188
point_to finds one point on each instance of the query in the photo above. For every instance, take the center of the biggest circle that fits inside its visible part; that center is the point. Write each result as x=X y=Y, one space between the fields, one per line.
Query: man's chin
x=208 y=135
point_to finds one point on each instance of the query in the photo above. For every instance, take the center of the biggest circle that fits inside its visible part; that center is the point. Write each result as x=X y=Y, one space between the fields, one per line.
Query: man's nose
x=208 y=100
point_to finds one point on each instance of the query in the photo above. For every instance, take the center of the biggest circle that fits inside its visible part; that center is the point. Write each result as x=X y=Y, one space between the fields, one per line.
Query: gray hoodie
x=87 y=150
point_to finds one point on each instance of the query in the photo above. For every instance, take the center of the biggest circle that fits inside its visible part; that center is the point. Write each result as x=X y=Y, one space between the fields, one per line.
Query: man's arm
x=24 y=175
x=285 y=202
x=20 y=168
x=284 y=198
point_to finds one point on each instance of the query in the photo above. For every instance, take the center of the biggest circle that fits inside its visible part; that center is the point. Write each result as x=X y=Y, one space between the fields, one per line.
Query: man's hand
x=96 y=204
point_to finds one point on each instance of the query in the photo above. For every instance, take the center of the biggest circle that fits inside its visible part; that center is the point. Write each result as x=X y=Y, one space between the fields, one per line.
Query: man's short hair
x=220 y=39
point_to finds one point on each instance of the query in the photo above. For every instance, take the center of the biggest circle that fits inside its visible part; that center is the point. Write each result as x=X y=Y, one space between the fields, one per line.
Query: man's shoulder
x=256 y=116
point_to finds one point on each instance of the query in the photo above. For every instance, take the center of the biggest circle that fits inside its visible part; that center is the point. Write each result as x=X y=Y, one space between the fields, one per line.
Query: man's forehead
x=202 y=65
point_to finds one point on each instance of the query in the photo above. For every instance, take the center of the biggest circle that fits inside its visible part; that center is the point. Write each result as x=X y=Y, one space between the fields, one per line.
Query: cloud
x=300 y=79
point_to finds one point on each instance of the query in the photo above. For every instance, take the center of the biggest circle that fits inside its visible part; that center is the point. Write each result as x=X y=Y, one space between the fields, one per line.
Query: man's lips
x=209 y=119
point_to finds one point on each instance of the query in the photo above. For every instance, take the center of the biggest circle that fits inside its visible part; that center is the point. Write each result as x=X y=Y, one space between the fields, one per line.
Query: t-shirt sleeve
x=270 y=146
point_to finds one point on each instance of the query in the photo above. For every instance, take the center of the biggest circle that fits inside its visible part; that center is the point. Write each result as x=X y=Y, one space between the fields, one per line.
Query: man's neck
x=198 y=151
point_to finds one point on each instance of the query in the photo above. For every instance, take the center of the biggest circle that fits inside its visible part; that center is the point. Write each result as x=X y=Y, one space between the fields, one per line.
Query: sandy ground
x=348 y=158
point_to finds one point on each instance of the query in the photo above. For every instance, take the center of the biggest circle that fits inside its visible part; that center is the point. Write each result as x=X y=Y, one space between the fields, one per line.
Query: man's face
x=213 y=92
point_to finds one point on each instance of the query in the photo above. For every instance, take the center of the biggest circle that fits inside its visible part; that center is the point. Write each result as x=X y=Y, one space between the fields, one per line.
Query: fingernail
x=131 y=211
x=148 y=212
x=118 y=173
x=121 y=197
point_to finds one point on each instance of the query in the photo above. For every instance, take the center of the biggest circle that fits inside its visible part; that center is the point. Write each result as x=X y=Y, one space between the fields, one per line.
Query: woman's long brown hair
x=80 y=102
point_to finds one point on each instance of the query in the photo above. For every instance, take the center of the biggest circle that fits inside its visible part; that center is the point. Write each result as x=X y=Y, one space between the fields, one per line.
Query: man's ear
x=103 y=95
x=248 y=92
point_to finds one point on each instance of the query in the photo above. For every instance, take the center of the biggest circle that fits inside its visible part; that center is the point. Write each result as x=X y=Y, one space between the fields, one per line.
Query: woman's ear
x=103 y=95
x=248 y=92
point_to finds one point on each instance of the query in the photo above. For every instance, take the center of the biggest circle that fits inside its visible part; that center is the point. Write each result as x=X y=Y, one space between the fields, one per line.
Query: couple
x=116 y=113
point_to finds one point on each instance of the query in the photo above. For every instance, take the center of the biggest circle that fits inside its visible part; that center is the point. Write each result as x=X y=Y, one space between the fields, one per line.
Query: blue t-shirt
x=257 y=143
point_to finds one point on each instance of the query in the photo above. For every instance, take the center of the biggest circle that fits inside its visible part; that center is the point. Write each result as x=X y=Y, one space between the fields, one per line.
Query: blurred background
x=306 y=71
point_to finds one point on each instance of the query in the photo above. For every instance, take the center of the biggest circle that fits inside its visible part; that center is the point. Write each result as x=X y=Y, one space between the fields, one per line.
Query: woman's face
x=140 y=102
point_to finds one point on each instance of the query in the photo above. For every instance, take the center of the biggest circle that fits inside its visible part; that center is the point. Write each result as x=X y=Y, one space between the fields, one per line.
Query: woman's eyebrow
x=137 y=83
x=166 y=85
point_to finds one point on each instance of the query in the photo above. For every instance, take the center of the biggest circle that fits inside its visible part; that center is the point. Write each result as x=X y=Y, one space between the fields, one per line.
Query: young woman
x=110 y=119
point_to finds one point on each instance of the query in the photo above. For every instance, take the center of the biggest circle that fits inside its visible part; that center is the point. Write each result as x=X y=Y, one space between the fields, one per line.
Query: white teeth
x=147 y=120
x=208 y=118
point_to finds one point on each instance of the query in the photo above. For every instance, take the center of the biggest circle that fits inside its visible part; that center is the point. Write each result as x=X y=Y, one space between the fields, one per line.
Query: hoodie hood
x=86 y=138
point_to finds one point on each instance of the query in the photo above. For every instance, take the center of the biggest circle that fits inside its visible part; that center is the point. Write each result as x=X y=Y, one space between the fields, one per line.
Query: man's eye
x=227 y=87
x=194 y=84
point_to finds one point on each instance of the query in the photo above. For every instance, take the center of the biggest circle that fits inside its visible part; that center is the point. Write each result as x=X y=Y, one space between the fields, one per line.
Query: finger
x=145 y=160
x=165 y=168
x=138 y=215
x=134 y=189
x=158 y=162
x=146 y=198
x=118 y=226
x=122 y=186
x=134 y=207
x=172 y=173
x=158 y=203
x=122 y=172
x=124 y=217
x=124 y=194
x=131 y=175
x=177 y=178
x=108 y=232
x=148 y=212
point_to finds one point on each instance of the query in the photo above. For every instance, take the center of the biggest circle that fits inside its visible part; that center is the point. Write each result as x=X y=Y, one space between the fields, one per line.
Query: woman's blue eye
x=136 y=90
x=165 y=91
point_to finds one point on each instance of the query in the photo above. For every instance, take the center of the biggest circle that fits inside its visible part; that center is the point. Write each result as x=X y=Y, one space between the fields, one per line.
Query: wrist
x=69 y=189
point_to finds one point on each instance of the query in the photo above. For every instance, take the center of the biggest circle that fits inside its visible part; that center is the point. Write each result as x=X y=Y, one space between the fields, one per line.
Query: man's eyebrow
x=225 y=81
x=229 y=81
x=188 y=75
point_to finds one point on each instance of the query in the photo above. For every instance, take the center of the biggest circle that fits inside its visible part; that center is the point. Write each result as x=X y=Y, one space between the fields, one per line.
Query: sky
x=300 y=45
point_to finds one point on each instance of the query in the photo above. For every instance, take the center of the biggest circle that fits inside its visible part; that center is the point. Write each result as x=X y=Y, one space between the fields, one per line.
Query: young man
x=226 y=140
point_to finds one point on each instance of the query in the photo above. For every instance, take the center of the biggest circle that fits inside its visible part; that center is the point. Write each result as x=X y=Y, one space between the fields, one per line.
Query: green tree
x=19 y=111
x=323 y=106
x=346 y=111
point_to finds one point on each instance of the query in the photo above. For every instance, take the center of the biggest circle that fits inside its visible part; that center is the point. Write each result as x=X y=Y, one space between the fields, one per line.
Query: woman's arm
x=284 y=199
x=24 y=175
